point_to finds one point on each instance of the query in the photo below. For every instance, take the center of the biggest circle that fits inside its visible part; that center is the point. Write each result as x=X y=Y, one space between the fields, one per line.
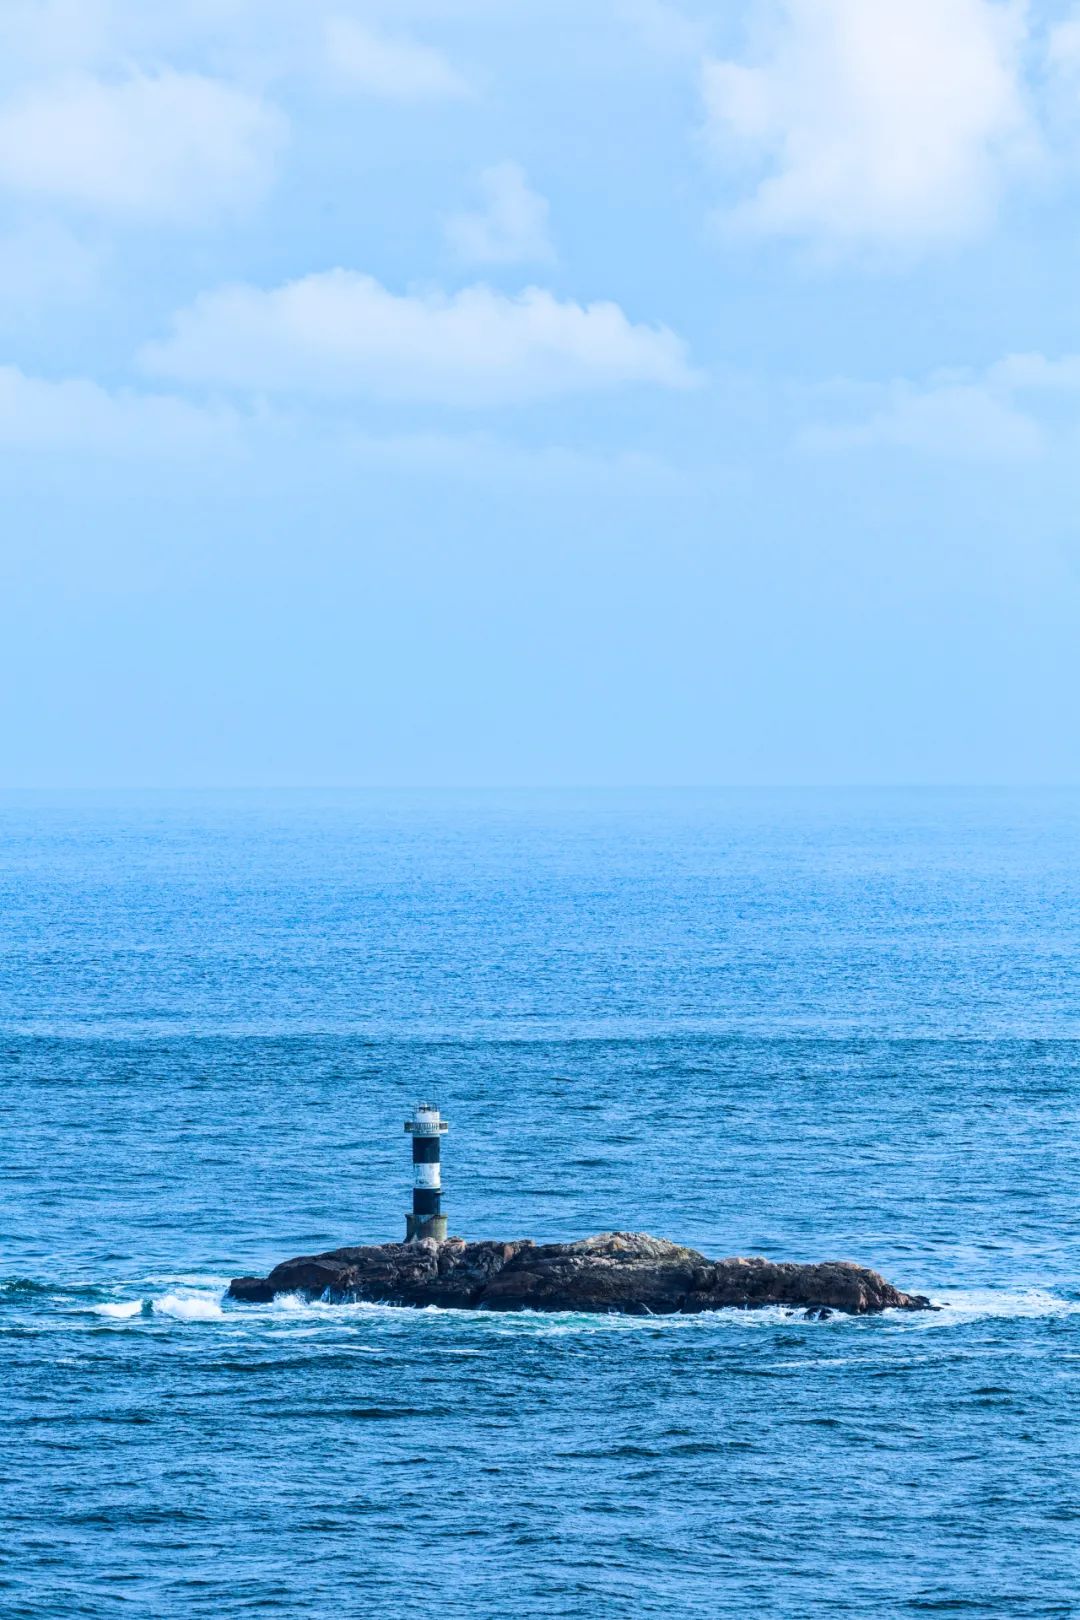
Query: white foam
x=295 y=1305
x=955 y=1307
x=189 y=1307
x=961 y=1305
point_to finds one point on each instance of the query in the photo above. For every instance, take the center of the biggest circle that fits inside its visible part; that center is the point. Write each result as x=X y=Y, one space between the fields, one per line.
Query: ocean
x=809 y=1025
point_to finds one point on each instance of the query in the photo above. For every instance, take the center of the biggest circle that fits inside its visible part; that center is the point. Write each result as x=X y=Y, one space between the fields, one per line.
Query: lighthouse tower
x=427 y=1131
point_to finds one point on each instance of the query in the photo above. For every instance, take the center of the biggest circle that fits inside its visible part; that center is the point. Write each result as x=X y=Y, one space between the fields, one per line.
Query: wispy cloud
x=391 y=66
x=1011 y=410
x=79 y=417
x=42 y=264
x=168 y=147
x=340 y=333
x=511 y=227
x=76 y=414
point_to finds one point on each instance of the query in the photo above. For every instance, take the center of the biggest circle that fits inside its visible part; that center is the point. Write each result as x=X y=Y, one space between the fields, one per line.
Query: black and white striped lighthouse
x=427 y=1131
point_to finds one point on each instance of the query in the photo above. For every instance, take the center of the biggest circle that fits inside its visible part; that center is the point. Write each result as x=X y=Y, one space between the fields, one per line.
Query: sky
x=564 y=392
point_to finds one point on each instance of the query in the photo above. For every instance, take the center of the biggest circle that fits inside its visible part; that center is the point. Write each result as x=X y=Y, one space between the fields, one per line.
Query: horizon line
x=540 y=787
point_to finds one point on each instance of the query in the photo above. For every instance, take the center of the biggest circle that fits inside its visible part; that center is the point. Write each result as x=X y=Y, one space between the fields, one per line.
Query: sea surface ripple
x=810 y=1025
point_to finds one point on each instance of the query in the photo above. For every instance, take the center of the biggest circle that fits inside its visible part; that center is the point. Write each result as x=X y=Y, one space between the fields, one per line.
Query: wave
x=958 y=1306
x=954 y=1307
x=26 y=1290
x=203 y=1300
x=188 y=1307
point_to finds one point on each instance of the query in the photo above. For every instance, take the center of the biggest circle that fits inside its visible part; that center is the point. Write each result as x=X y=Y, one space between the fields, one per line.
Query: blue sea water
x=808 y=1025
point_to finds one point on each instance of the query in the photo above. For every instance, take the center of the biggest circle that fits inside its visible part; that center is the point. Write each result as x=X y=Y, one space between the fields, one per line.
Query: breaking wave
x=181 y=1307
x=204 y=1300
x=957 y=1306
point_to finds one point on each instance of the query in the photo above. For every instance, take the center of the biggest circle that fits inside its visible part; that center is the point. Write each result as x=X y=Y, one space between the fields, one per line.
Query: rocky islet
x=624 y=1272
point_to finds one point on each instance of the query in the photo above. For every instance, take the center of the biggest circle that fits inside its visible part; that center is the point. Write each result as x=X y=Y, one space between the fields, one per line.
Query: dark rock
x=626 y=1272
x=252 y=1290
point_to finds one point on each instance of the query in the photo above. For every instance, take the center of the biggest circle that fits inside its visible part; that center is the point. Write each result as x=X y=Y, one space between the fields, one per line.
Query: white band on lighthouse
x=427 y=1175
x=426 y=1122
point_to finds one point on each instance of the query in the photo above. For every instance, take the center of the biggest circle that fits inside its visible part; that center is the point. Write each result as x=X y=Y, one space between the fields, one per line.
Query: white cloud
x=878 y=123
x=167 y=146
x=340 y=333
x=955 y=420
x=391 y=66
x=79 y=415
x=1010 y=410
x=1035 y=373
x=369 y=43
x=512 y=228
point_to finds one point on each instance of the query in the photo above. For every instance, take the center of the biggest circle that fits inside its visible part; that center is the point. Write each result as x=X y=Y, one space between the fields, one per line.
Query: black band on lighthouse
x=425 y=1201
x=425 y=1149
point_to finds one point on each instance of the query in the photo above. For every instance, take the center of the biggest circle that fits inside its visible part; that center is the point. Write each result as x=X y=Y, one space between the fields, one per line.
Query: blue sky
x=608 y=392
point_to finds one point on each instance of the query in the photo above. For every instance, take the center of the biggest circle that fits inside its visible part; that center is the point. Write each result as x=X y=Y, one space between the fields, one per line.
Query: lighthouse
x=427 y=1130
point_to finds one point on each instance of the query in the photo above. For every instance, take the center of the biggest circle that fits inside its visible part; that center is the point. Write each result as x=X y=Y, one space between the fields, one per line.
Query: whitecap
x=961 y=1305
x=189 y=1307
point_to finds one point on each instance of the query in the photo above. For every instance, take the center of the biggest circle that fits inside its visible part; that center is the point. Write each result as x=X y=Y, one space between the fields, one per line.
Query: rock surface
x=627 y=1272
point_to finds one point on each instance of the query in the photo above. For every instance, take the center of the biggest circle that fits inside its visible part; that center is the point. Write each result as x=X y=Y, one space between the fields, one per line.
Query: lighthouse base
x=425 y=1226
